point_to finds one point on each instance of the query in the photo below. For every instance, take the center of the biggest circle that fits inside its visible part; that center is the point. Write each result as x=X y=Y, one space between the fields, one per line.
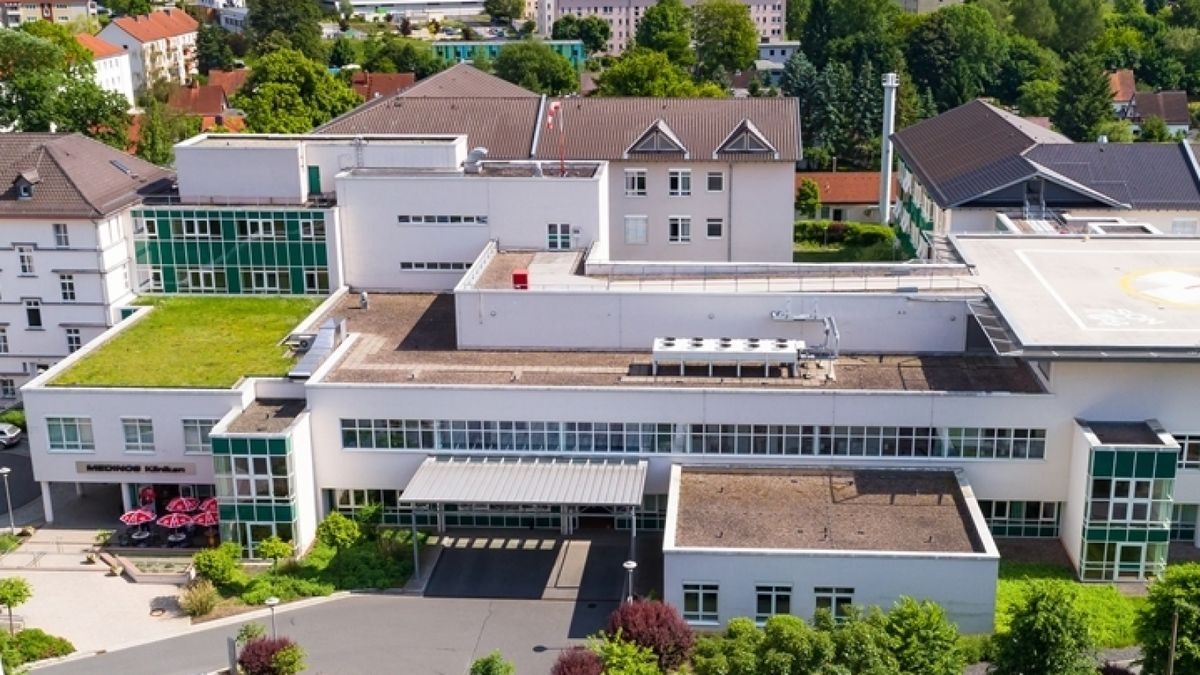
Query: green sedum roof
x=198 y=342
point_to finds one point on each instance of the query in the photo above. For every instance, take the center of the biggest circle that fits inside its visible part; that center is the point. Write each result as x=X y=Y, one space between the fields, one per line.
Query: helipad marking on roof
x=1176 y=287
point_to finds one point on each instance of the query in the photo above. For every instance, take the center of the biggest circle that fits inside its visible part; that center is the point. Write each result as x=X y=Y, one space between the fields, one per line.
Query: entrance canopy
x=533 y=481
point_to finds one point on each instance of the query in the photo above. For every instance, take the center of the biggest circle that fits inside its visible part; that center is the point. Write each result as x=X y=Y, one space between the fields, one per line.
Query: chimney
x=891 y=82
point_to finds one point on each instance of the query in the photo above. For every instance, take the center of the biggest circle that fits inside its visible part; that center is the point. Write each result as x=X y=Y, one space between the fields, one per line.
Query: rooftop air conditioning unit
x=301 y=342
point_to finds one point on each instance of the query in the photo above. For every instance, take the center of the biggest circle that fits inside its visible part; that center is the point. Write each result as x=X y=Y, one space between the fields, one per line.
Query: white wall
x=964 y=586
x=115 y=74
x=1074 y=512
x=610 y=320
x=241 y=172
x=337 y=154
x=308 y=498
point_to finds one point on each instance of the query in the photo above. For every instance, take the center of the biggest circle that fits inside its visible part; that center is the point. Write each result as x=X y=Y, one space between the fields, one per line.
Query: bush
x=34 y=644
x=286 y=588
x=975 y=648
x=621 y=657
x=221 y=565
x=8 y=543
x=14 y=416
x=199 y=598
x=364 y=566
x=250 y=631
x=656 y=626
x=492 y=664
x=925 y=640
x=848 y=233
x=578 y=661
x=1049 y=634
x=258 y=656
x=1177 y=591
x=338 y=531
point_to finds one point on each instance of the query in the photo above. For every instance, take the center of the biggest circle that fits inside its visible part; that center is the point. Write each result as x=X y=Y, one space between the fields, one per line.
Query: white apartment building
x=161 y=45
x=113 y=70
x=234 y=19
x=65 y=209
x=412 y=9
x=1043 y=387
x=690 y=179
x=13 y=13
x=623 y=17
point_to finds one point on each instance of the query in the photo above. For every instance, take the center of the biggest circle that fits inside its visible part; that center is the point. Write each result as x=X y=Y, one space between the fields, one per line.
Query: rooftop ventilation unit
x=328 y=337
x=473 y=163
x=766 y=352
x=300 y=342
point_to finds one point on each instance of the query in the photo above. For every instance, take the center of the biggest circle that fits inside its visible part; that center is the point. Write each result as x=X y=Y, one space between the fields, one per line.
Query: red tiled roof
x=234 y=124
x=157 y=25
x=198 y=99
x=99 y=48
x=375 y=85
x=231 y=81
x=847 y=187
x=1122 y=85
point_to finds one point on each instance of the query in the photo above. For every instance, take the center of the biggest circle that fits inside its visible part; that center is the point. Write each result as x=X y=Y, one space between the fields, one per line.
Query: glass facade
x=1129 y=509
x=1021 y=518
x=235 y=251
x=255 y=489
x=459 y=51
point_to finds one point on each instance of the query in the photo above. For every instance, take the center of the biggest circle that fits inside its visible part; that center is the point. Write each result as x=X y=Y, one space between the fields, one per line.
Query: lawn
x=1110 y=613
x=201 y=342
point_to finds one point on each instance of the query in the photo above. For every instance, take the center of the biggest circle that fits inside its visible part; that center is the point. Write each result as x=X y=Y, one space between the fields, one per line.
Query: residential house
x=234 y=19
x=778 y=52
x=1124 y=87
x=65 y=203
x=1169 y=106
x=13 y=13
x=371 y=86
x=161 y=45
x=230 y=81
x=412 y=9
x=113 y=70
x=978 y=168
x=691 y=179
x=846 y=195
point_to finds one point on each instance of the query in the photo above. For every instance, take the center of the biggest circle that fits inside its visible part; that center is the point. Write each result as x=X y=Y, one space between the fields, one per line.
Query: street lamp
x=12 y=524
x=630 y=566
x=271 y=602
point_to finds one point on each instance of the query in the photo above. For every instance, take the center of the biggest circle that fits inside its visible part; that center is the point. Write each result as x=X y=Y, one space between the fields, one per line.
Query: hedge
x=847 y=233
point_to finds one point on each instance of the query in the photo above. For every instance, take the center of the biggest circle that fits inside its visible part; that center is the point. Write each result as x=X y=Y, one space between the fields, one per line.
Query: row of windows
x=701 y=601
x=1189 y=451
x=679 y=182
x=679 y=229
x=255 y=479
x=74 y=434
x=1021 y=518
x=250 y=226
x=439 y=266
x=253 y=280
x=1130 y=500
x=724 y=439
x=442 y=220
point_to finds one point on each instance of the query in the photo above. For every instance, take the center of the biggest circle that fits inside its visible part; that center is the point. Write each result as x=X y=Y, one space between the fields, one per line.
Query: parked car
x=10 y=435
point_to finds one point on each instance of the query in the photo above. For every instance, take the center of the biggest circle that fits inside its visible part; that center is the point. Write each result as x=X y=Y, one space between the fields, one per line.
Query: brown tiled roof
x=374 y=85
x=1122 y=85
x=1170 y=106
x=234 y=124
x=99 y=48
x=78 y=177
x=157 y=25
x=466 y=80
x=231 y=81
x=204 y=99
x=969 y=150
x=604 y=128
x=846 y=187
x=502 y=125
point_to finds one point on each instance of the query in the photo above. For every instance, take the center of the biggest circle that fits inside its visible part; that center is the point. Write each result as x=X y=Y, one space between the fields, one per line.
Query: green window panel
x=258 y=446
x=168 y=277
x=1158 y=535
x=1144 y=464
x=284 y=513
x=1125 y=465
x=295 y=252
x=220 y=445
x=228 y=512
x=233 y=280
x=1103 y=462
x=277 y=446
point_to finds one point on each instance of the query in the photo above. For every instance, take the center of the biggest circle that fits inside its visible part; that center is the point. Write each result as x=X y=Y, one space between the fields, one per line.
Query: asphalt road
x=24 y=488
x=373 y=634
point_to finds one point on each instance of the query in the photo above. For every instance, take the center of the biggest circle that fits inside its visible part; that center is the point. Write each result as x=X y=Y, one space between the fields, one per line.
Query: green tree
x=160 y=129
x=83 y=106
x=534 y=65
x=212 y=49
x=1048 y=634
x=621 y=657
x=128 y=7
x=275 y=548
x=1115 y=131
x=790 y=640
x=1038 y=98
x=795 y=14
x=1176 y=592
x=818 y=31
x=391 y=54
x=297 y=20
x=1185 y=14
x=737 y=652
x=492 y=664
x=666 y=26
x=808 y=198
x=592 y=30
x=862 y=644
x=504 y=10
x=1034 y=19
x=1084 y=100
x=645 y=72
x=338 y=531
x=956 y=53
x=345 y=51
x=924 y=639
x=726 y=39
x=14 y=591
x=1079 y=22
x=1154 y=130
x=1026 y=60
x=289 y=93
x=58 y=35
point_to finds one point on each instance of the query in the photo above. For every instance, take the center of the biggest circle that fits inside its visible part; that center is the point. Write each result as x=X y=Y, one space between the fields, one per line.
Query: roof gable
x=157 y=25
x=99 y=48
x=1141 y=175
x=1170 y=106
x=745 y=138
x=466 y=80
x=1122 y=85
x=657 y=138
x=230 y=81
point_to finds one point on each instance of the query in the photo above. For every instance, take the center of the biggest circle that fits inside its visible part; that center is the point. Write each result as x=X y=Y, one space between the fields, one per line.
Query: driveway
x=379 y=633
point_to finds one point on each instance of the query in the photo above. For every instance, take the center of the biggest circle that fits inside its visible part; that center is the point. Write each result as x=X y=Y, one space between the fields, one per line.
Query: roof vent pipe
x=474 y=158
x=891 y=82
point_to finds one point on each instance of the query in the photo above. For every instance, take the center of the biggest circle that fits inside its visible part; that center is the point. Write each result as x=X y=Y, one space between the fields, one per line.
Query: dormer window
x=25 y=182
x=745 y=139
x=658 y=138
x=24 y=190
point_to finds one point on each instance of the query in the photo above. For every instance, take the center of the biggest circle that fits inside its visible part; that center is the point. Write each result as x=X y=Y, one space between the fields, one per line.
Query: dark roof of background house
x=1122 y=85
x=970 y=150
x=604 y=127
x=1170 y=106
x=1142 y=175
x=464 y=79
x=78 y=177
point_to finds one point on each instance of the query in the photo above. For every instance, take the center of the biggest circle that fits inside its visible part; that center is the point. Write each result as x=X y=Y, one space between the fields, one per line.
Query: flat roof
x=1093 y=294
x=1125 y=433
x=267 y=416
x=410 y=338
x=295 y=140
x=538 y=481
x=195 y=342
x=488 y=170
x=844 y=510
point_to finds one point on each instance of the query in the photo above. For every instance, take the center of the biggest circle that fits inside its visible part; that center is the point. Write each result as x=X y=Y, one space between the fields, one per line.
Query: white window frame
x=25 y=260
x=8 y=387
x=632 y=178
x=313 y=281
x=74 y=340
x=62 y=236
x=268 y=281
x=708 y=225
x=774 y=594
x=1189 y=450
x=640 y=236
x=33 y=305
x=703 y=591
x=558 y=236
x=679 y=182
x=679 y=229
x=66 y=286
x=3 y=339
x=708 y=180
x=309 y=229
x=141 y=440
x=837 y=599
x=80 y=440
x=196 y=433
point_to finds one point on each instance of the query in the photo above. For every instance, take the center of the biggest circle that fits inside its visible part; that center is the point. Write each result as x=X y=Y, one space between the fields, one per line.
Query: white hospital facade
x=1042 y=387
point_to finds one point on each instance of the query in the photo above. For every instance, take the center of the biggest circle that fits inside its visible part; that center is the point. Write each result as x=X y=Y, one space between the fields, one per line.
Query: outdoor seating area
x=189 y=523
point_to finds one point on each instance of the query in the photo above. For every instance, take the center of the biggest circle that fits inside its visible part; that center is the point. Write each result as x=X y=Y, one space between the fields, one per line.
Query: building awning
x=533 y=481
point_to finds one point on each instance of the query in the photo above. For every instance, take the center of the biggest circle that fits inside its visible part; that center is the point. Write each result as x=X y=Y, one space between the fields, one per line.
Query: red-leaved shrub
x=578 y=661
x=656 y=626
x=258 y=655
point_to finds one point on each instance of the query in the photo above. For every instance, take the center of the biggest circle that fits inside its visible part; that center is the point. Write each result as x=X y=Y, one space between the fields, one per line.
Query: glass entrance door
x=1131 y=562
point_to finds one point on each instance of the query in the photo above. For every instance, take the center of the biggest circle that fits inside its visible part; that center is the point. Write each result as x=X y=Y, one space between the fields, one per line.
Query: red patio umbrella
x=182 y=504
x=210 y=504
x=175 y=521
x=206 y=519
x=137 y=517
